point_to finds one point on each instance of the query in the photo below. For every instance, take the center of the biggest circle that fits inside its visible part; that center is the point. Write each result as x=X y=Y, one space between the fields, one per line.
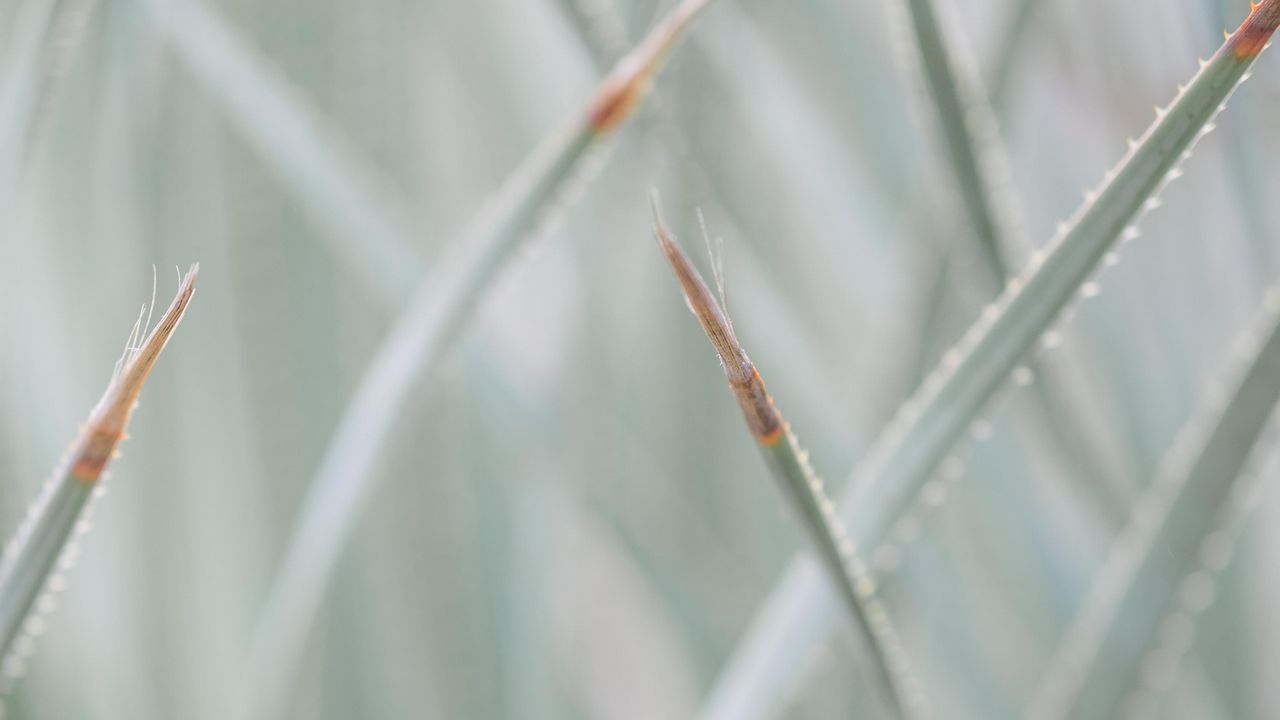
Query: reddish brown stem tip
x=105 y=428
x=626 y=85
x=748 y=388
x=1256 y=31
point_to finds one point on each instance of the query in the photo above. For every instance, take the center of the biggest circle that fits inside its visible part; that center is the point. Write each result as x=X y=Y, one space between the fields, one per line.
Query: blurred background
x=570 y=520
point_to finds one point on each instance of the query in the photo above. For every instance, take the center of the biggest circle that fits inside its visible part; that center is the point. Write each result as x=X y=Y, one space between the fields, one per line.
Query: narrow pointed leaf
x=1021 y=19
x=1101 y=653
x=32 y=556
x=800 y=484
x=979 y=165
x=434 y=316
x=924 y=430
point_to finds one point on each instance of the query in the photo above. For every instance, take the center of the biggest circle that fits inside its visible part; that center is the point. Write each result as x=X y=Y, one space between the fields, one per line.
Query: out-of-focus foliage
x=570 y=520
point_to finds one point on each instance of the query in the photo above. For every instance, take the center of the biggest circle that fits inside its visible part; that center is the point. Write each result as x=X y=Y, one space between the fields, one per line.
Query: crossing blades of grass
x=1055 y=417
x=433 y=317
x=31 y=558
x=1101 y=653
x=884 y=486
x=800 y=484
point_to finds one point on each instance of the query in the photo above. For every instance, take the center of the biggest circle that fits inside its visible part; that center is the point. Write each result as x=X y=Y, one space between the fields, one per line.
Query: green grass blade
x=966 y=123
x=924 y=430
x=297 y=143
x=801 y=485
x=1101 y=653
x=436 y=313
x=31 y=558
x=1008 y=50
x=980 y=164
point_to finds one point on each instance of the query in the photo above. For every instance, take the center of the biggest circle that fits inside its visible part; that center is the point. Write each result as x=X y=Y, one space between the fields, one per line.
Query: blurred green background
x=571 y=521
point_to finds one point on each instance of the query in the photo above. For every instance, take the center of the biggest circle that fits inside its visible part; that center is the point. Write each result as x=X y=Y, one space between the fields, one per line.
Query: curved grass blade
x=979 y=162
x=1101 y=653
x=927 y=426
x=801 y=485
x=31 y=557
x=1012 y=39
x=434 y=316
x=1051 y=423
x=967 y=124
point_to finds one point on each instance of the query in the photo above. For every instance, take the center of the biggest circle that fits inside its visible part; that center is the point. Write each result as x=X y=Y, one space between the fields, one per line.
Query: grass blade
x=980 y=164
x=1101 y=653
x=1017 y=28
x=801 y=485
x=967 y=124
x=923 y=431
x=31 y=557
x=436 y=313
x=1061 y=403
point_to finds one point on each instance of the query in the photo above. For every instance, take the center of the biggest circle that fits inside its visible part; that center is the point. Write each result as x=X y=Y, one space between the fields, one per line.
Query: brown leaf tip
x=106 y=426
x=1253 y=35
x=763 y=418
x=626 y=85
x=618 y=96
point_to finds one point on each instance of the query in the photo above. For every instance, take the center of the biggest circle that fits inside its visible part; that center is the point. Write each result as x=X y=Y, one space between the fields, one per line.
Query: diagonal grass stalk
x=33 y=556
x=433 y=317
x=1013 y=38
x=760 y=69
x=884 y=486
x=969 y=128
x=1100 y=654
x=1059 y=414
x=800 y=484
x=967 y=125
x=980 y=164
x=957 y=391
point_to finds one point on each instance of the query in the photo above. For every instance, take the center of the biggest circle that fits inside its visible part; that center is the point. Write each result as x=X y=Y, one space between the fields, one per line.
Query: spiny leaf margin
x=32 y=555
x=927 y=425
x=1102 y=649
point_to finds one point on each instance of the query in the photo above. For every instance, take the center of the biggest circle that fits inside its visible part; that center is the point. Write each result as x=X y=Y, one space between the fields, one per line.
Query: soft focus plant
x=415 y=465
